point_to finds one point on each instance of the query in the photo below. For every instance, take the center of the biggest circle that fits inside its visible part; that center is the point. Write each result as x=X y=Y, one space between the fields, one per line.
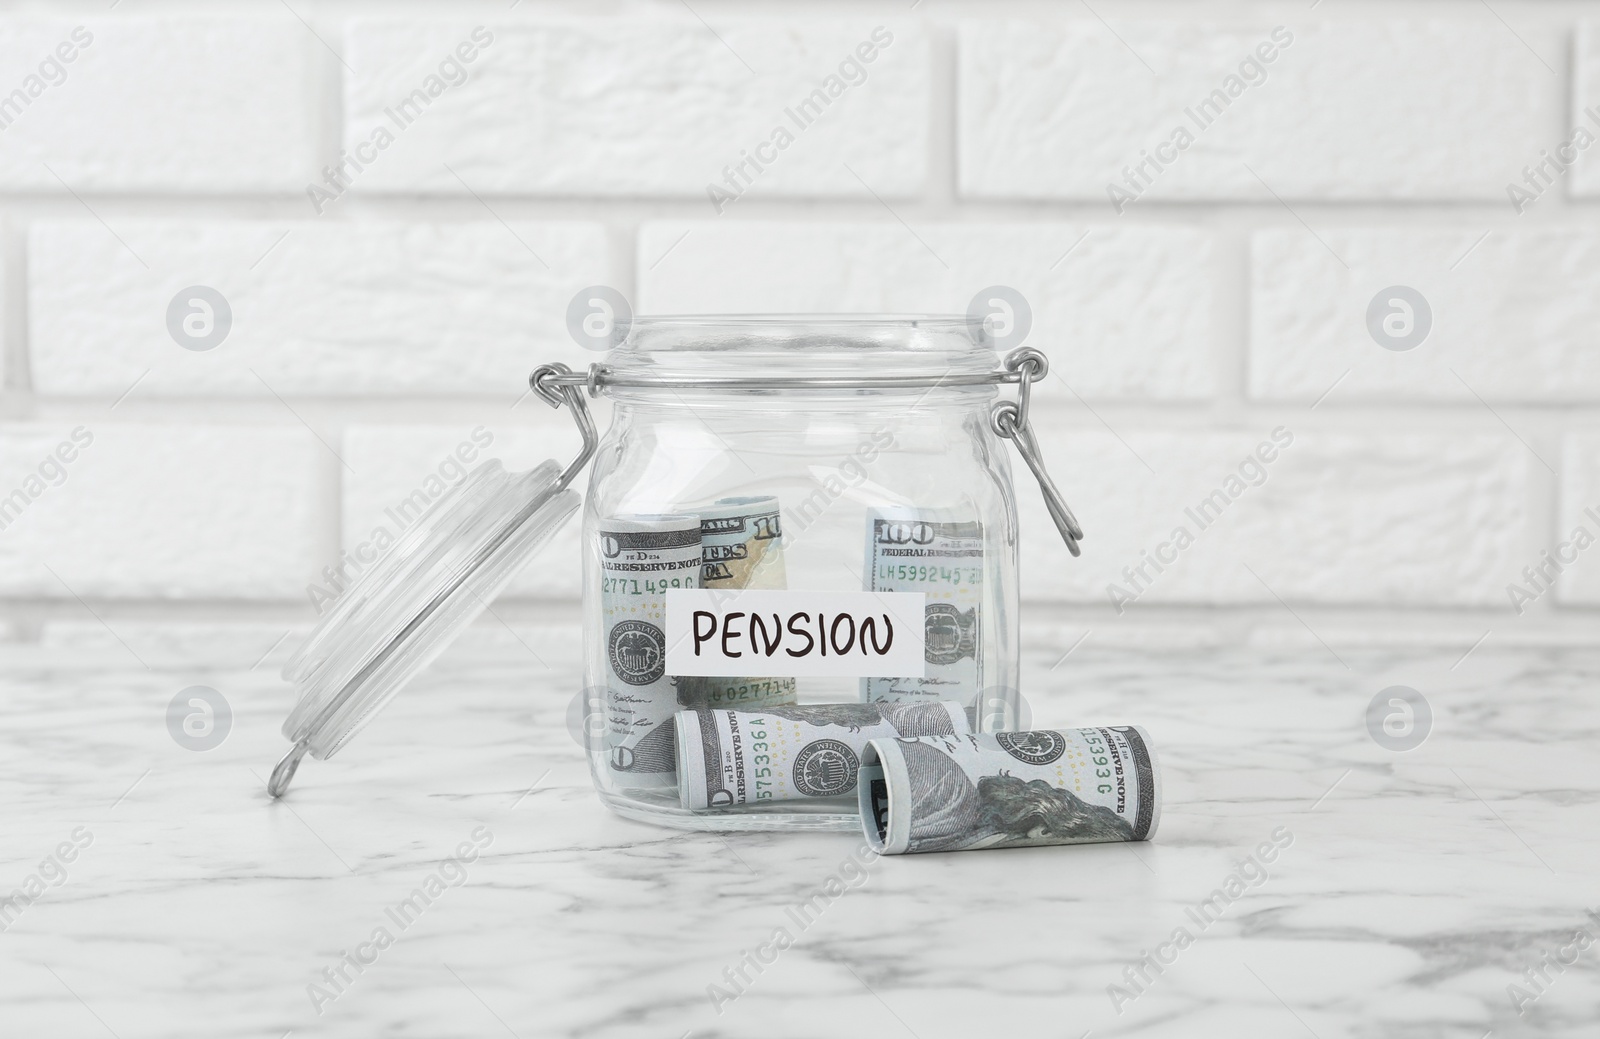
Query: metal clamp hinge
x=1009 y=419
x=550 y=383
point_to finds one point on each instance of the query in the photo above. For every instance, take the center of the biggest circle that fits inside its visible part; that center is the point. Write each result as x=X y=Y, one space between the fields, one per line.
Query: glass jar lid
x=402 y=613
x=431 y=583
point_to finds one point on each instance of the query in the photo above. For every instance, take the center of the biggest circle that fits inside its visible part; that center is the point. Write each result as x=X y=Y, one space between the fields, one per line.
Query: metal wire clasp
x=1009 y=419
x=545 y=381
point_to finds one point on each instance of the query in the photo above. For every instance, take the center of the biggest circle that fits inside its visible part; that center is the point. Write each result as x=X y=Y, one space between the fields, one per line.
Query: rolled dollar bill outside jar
x=741 y=546
x=1009 y=789
x=786 y=753
x=641 y=557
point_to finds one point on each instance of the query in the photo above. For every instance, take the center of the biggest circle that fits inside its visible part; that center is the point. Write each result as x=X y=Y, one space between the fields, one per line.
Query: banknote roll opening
x=873 y=795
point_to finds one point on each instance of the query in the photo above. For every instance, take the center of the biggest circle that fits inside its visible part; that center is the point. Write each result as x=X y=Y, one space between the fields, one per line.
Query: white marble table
x=1418 y=886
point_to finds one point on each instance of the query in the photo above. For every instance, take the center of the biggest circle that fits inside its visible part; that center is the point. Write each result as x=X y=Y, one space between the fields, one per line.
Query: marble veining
x=1406 y=891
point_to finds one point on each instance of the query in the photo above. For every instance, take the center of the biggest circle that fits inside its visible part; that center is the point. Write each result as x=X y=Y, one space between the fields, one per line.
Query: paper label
x=774 y=632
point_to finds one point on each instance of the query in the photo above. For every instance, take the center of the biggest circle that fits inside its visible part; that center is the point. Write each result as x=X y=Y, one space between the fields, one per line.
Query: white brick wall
x=650 y=106
x=160 y=104
x=1585 y=110
x=1335 y=518
x=382 y=313
x=318 y=308
x=1349 y=110
x=158 y=511
x=1579 y=581
x=1514 y=316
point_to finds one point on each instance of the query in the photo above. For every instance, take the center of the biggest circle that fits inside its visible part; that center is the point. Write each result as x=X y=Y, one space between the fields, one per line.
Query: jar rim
x=779 y=345
x=955 y=322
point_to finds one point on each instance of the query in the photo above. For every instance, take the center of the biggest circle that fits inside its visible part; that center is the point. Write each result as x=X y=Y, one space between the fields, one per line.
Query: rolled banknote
x=741 y=546
x=641 y=557
x=1009 y=789
x=938 y=552
x=788 y=753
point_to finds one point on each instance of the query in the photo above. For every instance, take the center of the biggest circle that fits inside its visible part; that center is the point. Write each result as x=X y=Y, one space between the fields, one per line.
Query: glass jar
x=791 y=522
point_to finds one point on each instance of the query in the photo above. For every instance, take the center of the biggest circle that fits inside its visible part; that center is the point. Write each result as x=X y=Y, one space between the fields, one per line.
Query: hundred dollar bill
x=940 y=553
x=1009 y=789
x=741 y=546
x=641 y=557
x=789 y=753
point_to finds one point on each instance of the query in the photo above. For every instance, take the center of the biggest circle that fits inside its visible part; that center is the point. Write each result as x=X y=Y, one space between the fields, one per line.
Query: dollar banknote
x=741 y=546
x=641 y=558
x=940 y=553
x=1009 y=789
x=787 y=753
